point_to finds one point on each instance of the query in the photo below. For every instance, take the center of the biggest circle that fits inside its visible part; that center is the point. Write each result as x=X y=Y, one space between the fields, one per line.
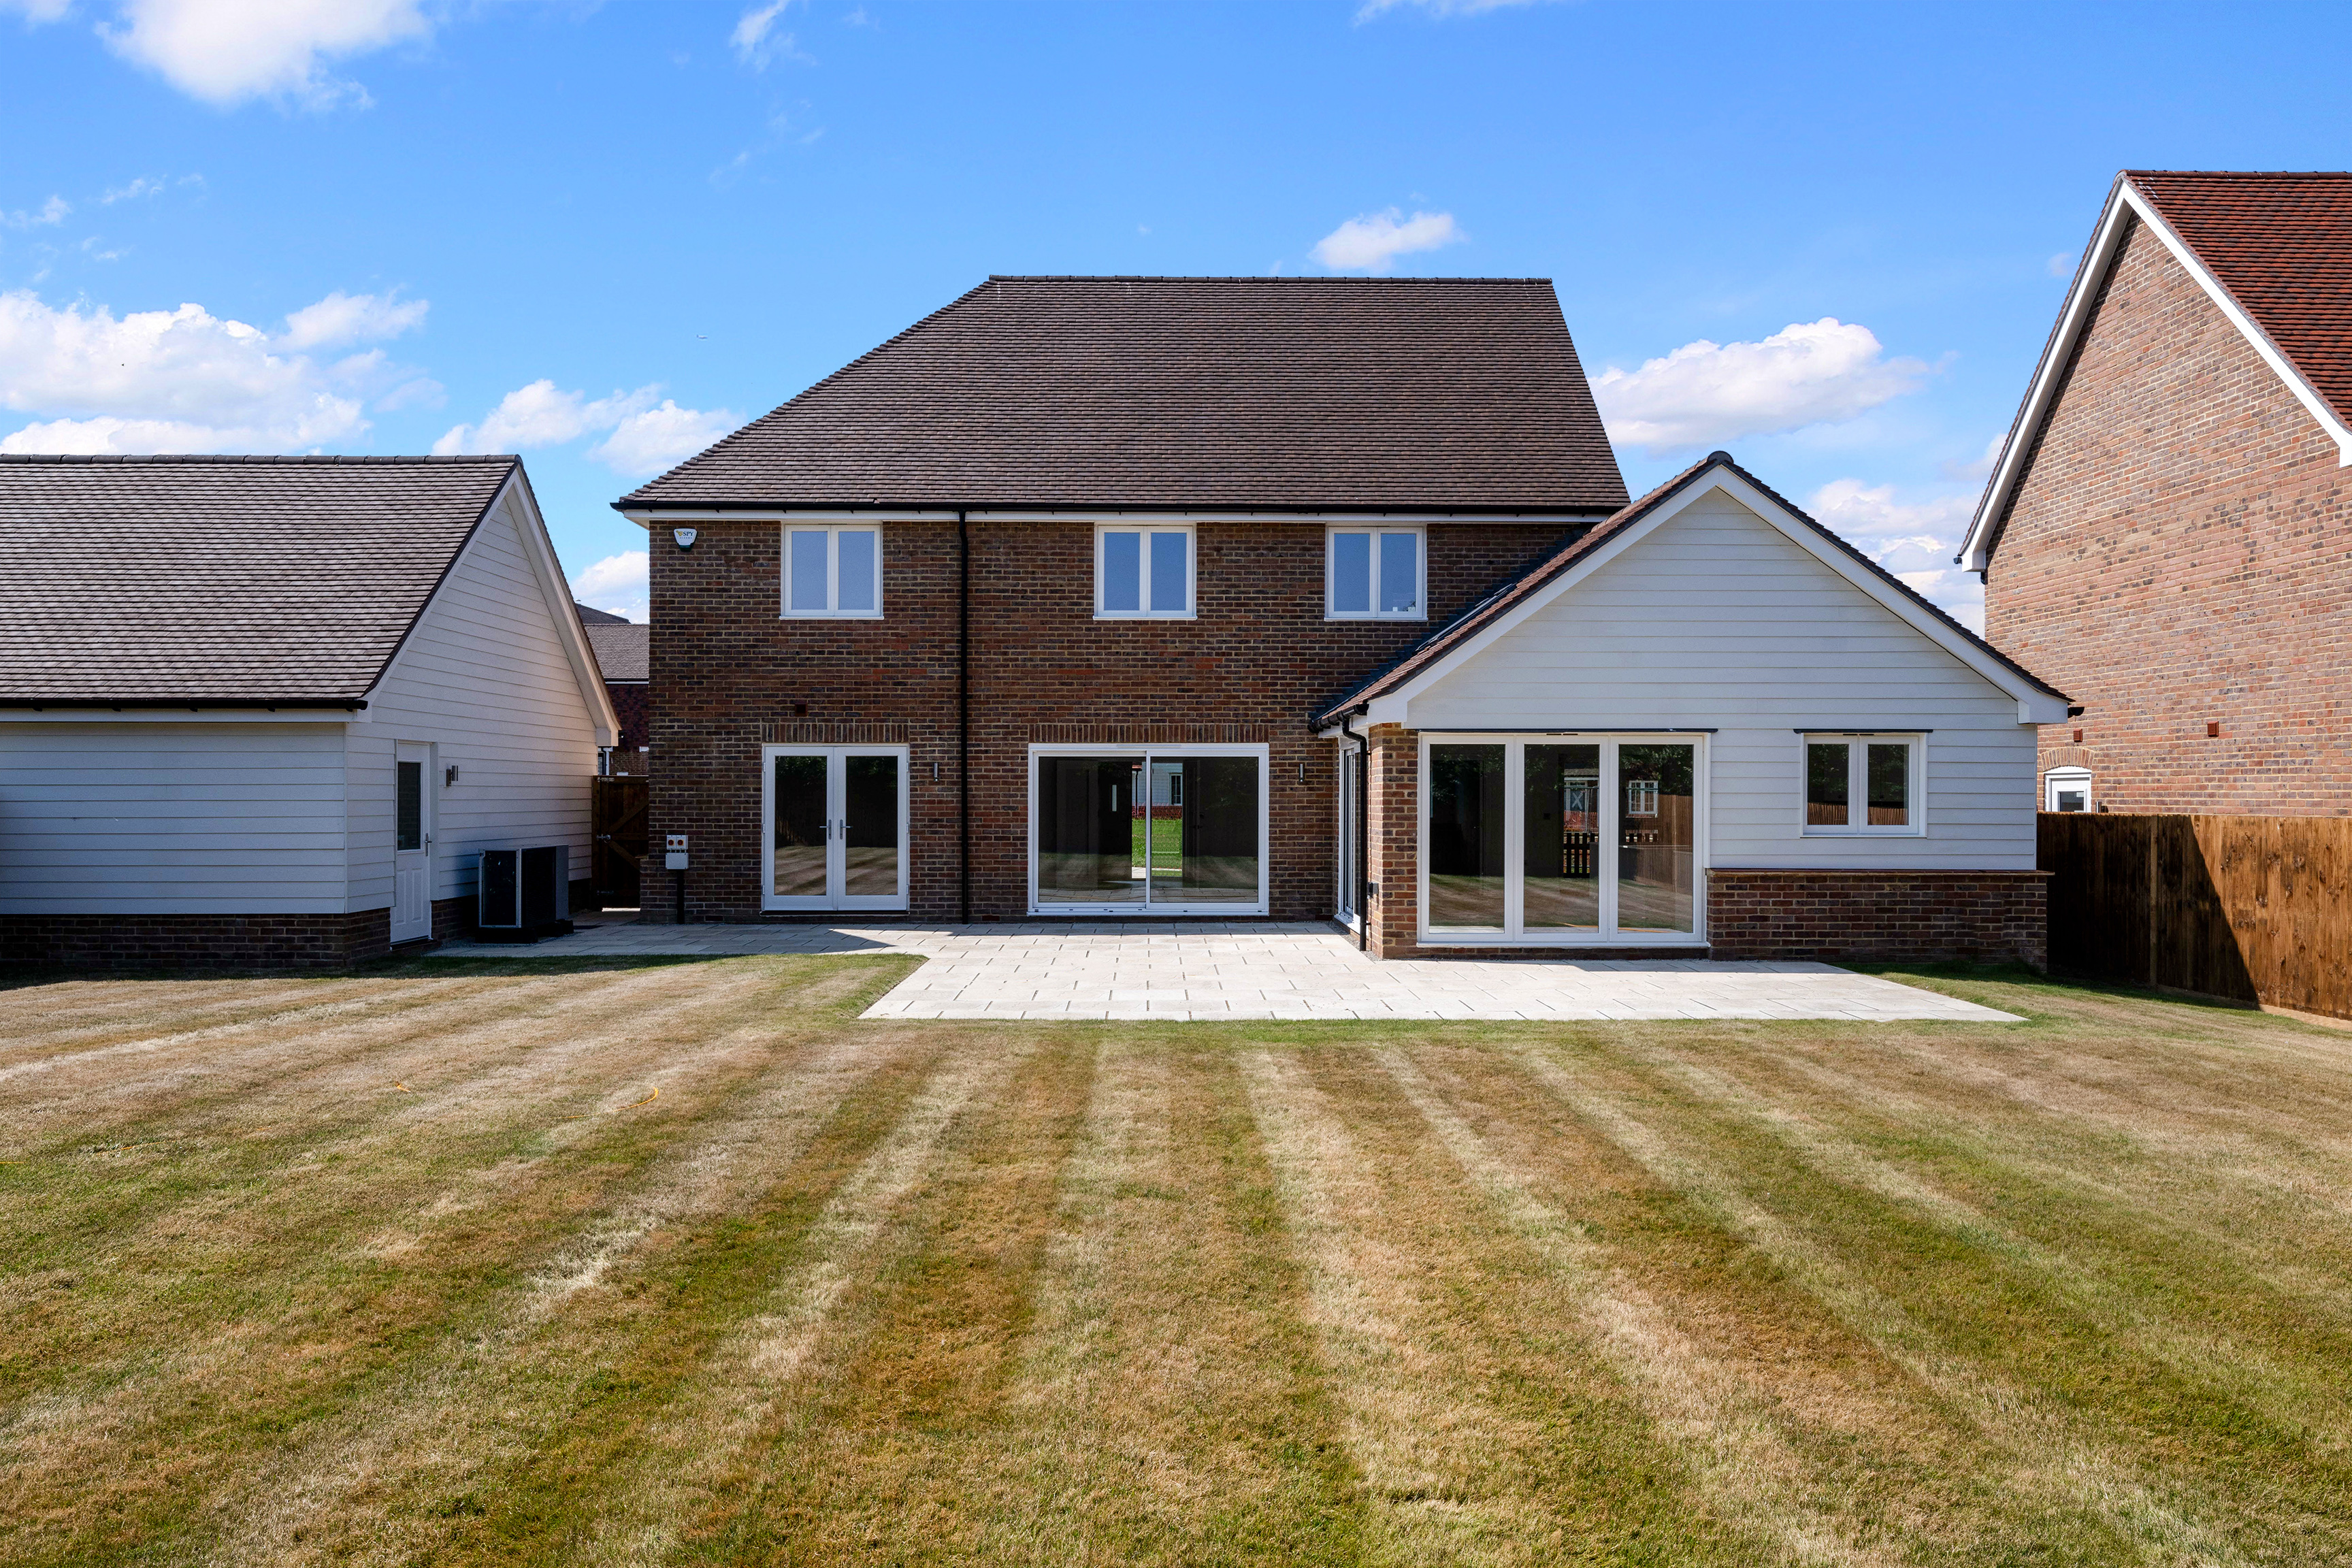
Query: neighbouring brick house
x=269 y=711
x=1079 y=598
x=2166 y=533
x=620 y=645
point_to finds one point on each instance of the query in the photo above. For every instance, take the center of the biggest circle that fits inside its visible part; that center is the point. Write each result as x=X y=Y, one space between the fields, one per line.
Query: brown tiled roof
x=622 y=648
x=2282 y=245
x=1310 y=394
x=1504 y=596
x=592 y=617
x=234 y=579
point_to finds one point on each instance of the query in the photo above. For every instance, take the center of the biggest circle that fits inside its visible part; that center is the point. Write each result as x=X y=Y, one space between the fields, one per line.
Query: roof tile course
x=2282 y=245
x=1345 y=393
x=237 y=579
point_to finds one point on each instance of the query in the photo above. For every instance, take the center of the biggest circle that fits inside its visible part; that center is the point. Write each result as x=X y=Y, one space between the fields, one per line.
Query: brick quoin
x=2178 y=552
x=1259 y=653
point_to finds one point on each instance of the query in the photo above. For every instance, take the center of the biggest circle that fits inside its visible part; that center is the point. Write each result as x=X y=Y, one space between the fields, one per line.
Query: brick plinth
x=1904 y=916
x=195 y=941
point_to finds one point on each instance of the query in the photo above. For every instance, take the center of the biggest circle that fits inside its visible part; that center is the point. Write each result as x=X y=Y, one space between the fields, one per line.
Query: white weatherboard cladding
x=485 y=680
x=136 y=818
x=1717 y=620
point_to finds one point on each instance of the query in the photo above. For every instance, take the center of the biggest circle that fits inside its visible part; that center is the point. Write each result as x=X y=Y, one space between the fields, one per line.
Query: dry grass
x=628 y=1264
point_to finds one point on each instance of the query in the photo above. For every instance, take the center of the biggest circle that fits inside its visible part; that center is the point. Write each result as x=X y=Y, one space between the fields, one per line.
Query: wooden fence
x=2252 y=909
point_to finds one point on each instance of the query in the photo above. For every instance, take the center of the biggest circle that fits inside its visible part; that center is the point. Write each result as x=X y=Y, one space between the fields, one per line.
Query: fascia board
x=2125 y=200
x=158 y=713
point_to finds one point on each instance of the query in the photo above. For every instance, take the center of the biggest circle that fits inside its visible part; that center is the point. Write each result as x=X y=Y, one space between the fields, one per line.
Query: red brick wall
x=1259 y=654
x=1905 y=916
x=2179 y=553
x=195 y=941
x=629 y=707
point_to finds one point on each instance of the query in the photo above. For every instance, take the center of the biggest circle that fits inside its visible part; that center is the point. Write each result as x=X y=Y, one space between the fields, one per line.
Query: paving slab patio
x=1307 y=971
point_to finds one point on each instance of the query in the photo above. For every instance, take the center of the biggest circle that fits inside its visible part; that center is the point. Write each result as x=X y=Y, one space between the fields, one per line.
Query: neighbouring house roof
x=591 y=617
x=621 y=645
x=1455 y=393
x=2274 y=251
x=223 y=581
x=1451 y=639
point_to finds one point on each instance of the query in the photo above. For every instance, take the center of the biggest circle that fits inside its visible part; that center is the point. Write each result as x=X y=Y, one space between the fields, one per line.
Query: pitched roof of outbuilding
x=623 y=648
x=1508 y=594
x=1454 y=394
x=247 y=581
x=2282 y=245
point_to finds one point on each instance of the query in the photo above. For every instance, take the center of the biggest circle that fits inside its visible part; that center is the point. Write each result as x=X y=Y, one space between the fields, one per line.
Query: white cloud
x=1372 y=8
x=645 y=438
x=36 y=12
x=1373 y=242
x=342 y=318
x=227 y=51
x=615 y=584
x=655 y=439
x=1916 y=541
x=755 y=40
x=1808 y=372
x=2061 y=265
x=1978 y=470
x=52 y=211
x=142 y=186
x=172 y=381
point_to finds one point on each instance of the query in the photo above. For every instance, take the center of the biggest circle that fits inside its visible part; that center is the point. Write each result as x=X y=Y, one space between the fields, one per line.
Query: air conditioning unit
x=525 y=894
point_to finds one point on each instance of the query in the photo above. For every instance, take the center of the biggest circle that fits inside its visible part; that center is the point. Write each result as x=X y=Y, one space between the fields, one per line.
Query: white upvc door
x=1350 y=760
x=412 y=851
x=835 y=833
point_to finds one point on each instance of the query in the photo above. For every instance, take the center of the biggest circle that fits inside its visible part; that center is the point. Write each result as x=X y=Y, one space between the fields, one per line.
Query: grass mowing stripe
x=1486 y=1428
x=2130 y=1287
x=694 y=1443
x=2080 y=1467
x=422 y=1449
x=902 y=1441
x=1750 y=1473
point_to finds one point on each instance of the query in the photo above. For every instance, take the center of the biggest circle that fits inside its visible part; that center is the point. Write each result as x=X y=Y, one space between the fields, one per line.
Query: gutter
x=193 y=704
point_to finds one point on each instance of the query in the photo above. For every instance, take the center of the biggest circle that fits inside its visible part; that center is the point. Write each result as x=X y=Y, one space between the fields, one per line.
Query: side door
x=412 y=845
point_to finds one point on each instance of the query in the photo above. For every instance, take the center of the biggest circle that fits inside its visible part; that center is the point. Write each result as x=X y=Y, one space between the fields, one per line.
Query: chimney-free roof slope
x=2282 y=245
x=624 y=648
x=247 y=581
x=1388 y=394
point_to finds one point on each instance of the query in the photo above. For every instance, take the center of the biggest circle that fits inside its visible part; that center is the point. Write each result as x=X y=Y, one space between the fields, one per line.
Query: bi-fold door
x=836 y=827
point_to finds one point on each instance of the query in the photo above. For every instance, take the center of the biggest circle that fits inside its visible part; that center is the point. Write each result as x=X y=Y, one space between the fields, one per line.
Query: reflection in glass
x=870 y=826
x=1399 y=574
x=1215 y=843
x=1560 y=833
x=1466 y=835
x=1122 y=572
x=1167 y=573
x=1656 y=862
x=800 y=827
x=1827 y=787
x=1352 y=573
x=808 y=569
x=1091 y=833
x=1890 y=785
x=856 y=547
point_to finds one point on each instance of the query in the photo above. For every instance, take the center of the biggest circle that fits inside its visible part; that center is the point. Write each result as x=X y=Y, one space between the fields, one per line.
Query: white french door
x=1563 y=840
x=835 y=836
x=1344 y=904
x=412 y=843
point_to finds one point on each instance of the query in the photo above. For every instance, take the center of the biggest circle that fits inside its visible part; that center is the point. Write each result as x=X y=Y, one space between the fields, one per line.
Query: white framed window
x=833 y=572
x=2066 y=789
x=1143 y=572
x=1375 y=574
x=1861 y=782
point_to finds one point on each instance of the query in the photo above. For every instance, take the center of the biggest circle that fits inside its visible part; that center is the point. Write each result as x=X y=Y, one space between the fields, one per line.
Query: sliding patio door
x=836 y=827
x=1123 y=833
x=1548 y=840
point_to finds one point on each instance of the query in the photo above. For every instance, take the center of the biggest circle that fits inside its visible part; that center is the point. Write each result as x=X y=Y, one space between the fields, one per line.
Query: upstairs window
x=1375 y=574
x=1143 y=572
x=833 y=571
x=1862 y=783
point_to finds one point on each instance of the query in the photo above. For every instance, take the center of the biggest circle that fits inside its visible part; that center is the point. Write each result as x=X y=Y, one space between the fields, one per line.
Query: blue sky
x=601 y=234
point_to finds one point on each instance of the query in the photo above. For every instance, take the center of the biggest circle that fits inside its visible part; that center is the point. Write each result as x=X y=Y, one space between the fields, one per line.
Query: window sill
x=831 y=615
x=1863 y=833
x=1353 y=616
x=1146 y=616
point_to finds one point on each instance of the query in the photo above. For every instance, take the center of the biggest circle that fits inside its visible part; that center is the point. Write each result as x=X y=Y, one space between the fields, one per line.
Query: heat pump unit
x=525 y=894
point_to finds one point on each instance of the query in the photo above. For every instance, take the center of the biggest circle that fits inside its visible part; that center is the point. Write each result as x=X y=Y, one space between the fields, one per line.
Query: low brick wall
x=241 y=941
x=1884 y=915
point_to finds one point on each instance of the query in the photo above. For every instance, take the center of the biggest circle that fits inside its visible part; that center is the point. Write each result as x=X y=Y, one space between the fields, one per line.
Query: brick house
x=269 y=711
x=2165 y=532
x=1081 y=597
x=620 y=647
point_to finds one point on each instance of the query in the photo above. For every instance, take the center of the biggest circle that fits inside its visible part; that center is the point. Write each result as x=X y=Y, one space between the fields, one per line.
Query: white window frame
x=1191 y=572
x=835 y=776
x=2061 y=778
x=833 y=533
x=1331 y=611
x=1857 y=777
x=1515 y=931
x=1148 y=910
